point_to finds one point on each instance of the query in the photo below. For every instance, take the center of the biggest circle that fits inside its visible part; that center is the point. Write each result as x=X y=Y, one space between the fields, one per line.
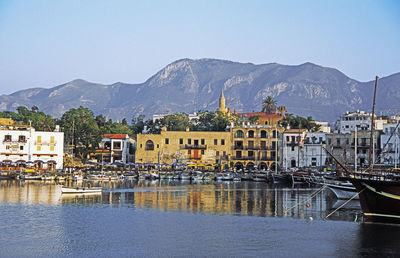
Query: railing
x=243 y=157
x=194 y=157
x=193 y=146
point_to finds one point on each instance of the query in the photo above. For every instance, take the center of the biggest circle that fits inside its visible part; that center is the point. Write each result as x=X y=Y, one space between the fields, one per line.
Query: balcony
x=268 y=159
x=243 y=157
x=194 y=157
x=194 y=147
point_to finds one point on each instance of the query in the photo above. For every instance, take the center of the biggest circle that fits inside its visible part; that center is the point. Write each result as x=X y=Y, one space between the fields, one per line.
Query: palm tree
x=269 y=105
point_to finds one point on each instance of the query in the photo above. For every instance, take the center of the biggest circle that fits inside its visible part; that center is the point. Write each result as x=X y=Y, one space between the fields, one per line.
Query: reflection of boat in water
x=80 y=190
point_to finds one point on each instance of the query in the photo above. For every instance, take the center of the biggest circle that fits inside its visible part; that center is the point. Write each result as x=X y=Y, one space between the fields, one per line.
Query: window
x=251 y=134
x=251 y=144
x=264 y=134
x=224 y=153
x=39 y=148
x=292 y=148
x=21 y=138
x=51 y=139
x=180 y=141
x=166 y=141
x=196 y=142
x=51 y=147
x=7 y=138
x=251 y=154
x=239 y=134
x=238 y=154
x=222 y=141
x=189 y=152
x=116 y=145
x=338 y=142
x=203 y=142
x=149 y=145
x=21 y=147
x=263 y=145
x=293 y=138
x=217 y=153
x=202 y=152
x=39 y=139
x=189 y=141
x=287 y=138
x=215 y=141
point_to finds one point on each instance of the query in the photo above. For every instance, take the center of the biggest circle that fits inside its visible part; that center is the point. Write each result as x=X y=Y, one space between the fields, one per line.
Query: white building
x=25 y=145
x=314 y=152
x=293 y=141
x=115 y=148
x=324 y=127
x=390 y=143
x=360 y=119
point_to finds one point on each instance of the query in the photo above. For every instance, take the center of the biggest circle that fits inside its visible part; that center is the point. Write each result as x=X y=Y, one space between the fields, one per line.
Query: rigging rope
x=312 y=196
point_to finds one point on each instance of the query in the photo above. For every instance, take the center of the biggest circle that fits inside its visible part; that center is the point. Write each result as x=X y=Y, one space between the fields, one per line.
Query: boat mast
x=355 y=149
x=371 y=163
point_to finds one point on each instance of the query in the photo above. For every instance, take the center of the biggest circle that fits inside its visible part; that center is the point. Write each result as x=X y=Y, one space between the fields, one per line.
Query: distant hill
x=189 y=85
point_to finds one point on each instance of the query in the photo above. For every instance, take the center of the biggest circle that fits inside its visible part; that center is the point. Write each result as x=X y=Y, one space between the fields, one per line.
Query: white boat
x=342 y=189
x=75 y=190
x=198 y=176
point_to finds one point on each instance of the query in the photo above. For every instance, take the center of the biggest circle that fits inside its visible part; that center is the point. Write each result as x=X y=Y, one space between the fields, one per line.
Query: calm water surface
x=175 y=219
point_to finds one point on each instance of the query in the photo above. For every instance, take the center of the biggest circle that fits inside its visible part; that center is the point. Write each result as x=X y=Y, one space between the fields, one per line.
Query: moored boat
x=75 y=190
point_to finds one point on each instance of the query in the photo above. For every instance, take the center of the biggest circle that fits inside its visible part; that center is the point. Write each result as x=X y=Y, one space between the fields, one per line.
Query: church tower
x=222 y=108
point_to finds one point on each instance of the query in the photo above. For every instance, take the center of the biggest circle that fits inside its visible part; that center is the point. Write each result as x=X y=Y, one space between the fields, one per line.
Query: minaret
x=222 y=108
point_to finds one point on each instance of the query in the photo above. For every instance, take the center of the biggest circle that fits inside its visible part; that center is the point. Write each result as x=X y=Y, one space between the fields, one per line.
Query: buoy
x=310 y=218
x=308 y=205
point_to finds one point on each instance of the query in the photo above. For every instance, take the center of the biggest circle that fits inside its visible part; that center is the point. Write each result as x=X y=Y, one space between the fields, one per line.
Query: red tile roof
x=115 y=136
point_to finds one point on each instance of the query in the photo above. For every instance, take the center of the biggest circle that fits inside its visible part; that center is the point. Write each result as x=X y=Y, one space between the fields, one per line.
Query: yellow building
x=256 y=146
x=247 y=146
x=201 y=148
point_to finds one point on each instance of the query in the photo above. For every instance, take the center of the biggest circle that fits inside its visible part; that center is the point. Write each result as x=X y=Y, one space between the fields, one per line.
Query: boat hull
x=380 y=200
x=79 y=190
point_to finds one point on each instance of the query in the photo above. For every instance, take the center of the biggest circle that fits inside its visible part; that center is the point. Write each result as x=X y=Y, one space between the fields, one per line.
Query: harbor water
x=184 y=219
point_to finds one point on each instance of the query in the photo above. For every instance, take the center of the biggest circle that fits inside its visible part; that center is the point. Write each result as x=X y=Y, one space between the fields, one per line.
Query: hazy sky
x=47 y=43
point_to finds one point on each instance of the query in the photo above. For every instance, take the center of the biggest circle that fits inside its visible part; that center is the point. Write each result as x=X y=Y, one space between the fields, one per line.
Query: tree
x=299 y=122
x=176 y=122
x=80 y=130
x=269 y=105
x=137 y=124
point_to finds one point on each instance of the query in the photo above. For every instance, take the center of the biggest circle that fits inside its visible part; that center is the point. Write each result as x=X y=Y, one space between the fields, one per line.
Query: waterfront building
x=343 y=146
x=247 y=146
x=188 y=147
x=23 y=144
x=114 y=148
x=358 y=119
x=293 y=148
x=390 y=143
x=314 y=152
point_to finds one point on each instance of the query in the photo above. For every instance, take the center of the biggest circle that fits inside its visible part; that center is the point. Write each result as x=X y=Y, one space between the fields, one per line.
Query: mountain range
x=189 y=85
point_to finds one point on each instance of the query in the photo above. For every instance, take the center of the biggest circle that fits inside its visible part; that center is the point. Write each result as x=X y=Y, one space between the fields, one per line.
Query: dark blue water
x=171 y=219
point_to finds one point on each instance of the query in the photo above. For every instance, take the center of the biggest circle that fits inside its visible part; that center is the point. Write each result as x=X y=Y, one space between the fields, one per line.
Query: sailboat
x=378 y=186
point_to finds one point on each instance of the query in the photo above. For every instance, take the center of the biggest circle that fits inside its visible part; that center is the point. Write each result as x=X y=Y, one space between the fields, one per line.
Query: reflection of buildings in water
x=234 y=198
x=13 y=191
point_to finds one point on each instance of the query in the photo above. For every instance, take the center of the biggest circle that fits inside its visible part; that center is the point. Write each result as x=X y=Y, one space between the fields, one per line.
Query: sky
x=46 y=43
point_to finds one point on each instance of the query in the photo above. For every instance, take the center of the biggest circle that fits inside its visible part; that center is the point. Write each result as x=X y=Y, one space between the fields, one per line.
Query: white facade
x=360 y=119
x=292 y=140
x=314 y=152
x=324 y=127
x=390 y=144
x=32 y=146
x=117 y=146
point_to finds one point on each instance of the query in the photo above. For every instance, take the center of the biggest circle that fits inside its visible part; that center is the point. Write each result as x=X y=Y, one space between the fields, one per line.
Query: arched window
x=264 y=134
x=251 y=134
x=239 y=134
x=149 y=145
x=274 y=134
